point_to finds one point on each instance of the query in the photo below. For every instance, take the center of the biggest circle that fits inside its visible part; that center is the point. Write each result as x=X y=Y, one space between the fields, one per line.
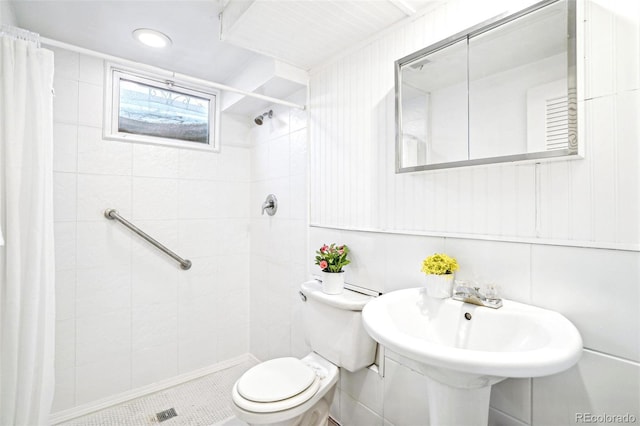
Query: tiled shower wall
x=278 y=243
x=127 y=316
x=562 y=235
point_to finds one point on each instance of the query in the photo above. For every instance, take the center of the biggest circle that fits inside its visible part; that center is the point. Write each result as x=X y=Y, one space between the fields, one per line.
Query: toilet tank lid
x=347 y=300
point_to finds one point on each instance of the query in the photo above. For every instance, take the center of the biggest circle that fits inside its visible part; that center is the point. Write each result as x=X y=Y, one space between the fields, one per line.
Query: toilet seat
x=276 y=385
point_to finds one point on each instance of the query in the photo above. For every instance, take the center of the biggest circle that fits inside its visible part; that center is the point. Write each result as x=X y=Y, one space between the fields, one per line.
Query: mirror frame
x=467 y=34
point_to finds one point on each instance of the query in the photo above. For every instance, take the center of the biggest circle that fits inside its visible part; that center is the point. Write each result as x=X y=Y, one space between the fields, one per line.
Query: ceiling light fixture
x=151 y=38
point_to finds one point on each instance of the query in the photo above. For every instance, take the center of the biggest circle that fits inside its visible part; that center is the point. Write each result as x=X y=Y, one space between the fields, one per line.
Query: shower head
x=260 y=119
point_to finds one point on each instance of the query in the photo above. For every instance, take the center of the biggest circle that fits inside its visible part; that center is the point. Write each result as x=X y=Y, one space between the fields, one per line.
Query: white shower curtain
x=27 y=272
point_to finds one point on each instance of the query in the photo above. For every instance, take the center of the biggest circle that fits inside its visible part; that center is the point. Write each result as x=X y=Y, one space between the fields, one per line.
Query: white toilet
x=298 y=392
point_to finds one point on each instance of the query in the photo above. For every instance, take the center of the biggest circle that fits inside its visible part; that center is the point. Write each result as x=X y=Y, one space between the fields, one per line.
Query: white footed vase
x=332 y=282
x=439 y=286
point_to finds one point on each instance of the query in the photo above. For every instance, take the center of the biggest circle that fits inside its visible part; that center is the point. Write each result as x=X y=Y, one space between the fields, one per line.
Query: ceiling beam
x=403 y=6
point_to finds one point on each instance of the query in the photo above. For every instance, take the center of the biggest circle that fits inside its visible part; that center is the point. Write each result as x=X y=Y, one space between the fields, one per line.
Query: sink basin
x=466 y=347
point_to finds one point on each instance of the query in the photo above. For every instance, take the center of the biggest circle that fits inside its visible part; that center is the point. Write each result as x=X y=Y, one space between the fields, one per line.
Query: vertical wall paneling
x=561 y=193
x=559 y=234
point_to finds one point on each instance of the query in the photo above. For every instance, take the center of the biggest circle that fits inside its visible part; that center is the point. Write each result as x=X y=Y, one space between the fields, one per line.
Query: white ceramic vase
x=332 y=282
x=439 y=286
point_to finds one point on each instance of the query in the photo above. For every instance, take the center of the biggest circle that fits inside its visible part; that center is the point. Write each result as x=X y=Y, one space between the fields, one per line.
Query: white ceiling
x=106 y=26
x=306 y=33
x=300 y=32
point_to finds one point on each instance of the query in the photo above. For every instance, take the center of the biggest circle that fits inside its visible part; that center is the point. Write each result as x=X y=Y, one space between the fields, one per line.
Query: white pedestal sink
x=463 y=349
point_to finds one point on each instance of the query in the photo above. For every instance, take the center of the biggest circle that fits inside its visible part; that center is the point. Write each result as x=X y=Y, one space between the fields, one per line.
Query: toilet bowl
x=286 y=392
x=298 y=392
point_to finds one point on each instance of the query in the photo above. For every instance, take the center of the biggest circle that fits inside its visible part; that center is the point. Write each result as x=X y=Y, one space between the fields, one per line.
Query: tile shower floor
x=201 y=402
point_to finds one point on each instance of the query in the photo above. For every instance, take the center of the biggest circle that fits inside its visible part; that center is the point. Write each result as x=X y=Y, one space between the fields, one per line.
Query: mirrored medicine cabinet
x=502 y=91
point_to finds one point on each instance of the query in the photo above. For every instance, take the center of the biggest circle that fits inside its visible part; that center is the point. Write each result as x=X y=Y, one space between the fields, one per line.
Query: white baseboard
x=101 y=404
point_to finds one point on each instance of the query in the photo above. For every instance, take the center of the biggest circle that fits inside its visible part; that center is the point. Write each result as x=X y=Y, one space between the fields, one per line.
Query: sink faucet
x=473 y=295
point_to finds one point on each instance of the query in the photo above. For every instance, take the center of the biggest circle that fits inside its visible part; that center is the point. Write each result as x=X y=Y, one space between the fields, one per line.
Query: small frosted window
x=147 y=110
x=162 y=112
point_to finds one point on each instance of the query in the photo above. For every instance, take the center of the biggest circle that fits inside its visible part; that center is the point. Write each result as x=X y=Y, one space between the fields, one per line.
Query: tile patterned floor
x=201 y=402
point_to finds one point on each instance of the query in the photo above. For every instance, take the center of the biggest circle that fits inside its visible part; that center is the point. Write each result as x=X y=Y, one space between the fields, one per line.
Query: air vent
x=557 y=123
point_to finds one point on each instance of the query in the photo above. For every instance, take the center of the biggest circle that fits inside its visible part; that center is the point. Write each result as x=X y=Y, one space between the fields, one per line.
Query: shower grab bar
x=112 y=214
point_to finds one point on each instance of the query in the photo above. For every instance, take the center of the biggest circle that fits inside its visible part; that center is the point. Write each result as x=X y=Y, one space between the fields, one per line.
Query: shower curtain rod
x=20 y=34
x=169 y=74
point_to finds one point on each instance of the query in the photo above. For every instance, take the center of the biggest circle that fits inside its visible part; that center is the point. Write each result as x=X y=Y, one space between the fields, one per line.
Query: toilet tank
x=333 y=326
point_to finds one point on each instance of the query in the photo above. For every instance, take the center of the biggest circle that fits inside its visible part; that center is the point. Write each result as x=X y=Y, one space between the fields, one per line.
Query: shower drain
x=166 y=414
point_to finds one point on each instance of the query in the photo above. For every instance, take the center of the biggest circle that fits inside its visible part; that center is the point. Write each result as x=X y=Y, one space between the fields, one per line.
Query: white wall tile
x=90 y=105
x=65 y=101
x=235 y=130
x=405 y=395
x=198 y=238
x=197 y=353
x=364 y=386
x=334 y=408
x=91 y=70
x=66 y=63
x=278 y=340
x=154 y=325
x=260 y=161
x=65 y=245
x=156 y=161
x=65 y=392
x=64 y=196
x=65 y=344
x=498 y=418
x=513 y=397
x=65 y=294
x=299 y=153
x=103 y=243
x=354 y=413
x=153 y=280
x=65 y=147
x=477 y=261
x=298 y=201
x=198 y=199
x=233 y=236
x=205 y=277
x=278 y=157
x=155 y=199
x=403 y=256
x=97 y=193
x=106 y=377
x=233 y=340
x=597 y=385
x=103 y=337
x=569 y=280
x=233 y=200
x=101 y=156
x=198 y=164
x=234 y=164
x=154 y=364
x=102 y=290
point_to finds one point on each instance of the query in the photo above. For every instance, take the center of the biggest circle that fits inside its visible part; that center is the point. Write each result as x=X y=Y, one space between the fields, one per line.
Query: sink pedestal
x=457 y=406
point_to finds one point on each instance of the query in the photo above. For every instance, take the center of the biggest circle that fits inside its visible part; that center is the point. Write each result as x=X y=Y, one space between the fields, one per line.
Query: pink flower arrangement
x=332 y=258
